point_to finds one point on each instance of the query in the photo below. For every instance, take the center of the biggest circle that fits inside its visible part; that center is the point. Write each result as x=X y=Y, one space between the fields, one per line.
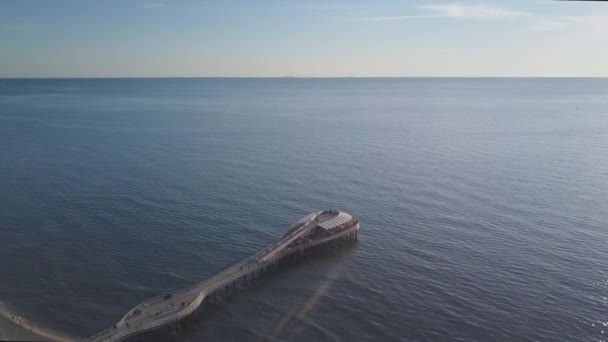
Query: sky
x=249 y=38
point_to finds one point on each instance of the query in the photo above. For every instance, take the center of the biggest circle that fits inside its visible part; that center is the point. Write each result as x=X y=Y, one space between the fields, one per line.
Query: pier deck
x=313 y=230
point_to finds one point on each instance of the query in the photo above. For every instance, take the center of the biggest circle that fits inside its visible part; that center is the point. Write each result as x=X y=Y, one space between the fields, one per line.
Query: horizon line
x=271 y=77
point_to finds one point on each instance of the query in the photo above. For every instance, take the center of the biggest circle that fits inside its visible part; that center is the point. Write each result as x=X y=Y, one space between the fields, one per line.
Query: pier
x=316 y=229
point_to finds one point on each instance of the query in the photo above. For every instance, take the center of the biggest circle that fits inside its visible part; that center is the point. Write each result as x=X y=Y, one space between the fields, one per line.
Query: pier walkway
x=314 y=229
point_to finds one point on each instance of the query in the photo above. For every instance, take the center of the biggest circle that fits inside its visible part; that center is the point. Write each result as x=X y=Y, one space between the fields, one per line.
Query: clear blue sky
x=86 y=38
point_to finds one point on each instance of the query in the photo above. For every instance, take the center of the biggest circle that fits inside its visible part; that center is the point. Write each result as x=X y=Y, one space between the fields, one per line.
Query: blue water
x=483 y=204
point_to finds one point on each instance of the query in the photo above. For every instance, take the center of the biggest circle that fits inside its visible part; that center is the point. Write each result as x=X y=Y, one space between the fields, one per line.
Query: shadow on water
x=327 y=260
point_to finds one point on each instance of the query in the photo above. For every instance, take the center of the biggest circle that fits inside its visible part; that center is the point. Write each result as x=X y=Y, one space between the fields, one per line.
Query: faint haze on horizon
x=385 y=38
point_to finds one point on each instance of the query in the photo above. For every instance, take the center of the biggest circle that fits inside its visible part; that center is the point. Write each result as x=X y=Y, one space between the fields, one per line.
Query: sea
x=483 y=205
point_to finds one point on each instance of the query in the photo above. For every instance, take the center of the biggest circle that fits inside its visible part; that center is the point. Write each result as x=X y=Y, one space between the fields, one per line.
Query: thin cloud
x=454 y=10
x=396 y=17
x=311 y=8
x=330 y=7
x=479 y=12
x=546 y=25
x=590 y=25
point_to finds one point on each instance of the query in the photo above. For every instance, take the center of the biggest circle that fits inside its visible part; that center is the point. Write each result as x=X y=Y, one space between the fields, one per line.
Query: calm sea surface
x=483 y=205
